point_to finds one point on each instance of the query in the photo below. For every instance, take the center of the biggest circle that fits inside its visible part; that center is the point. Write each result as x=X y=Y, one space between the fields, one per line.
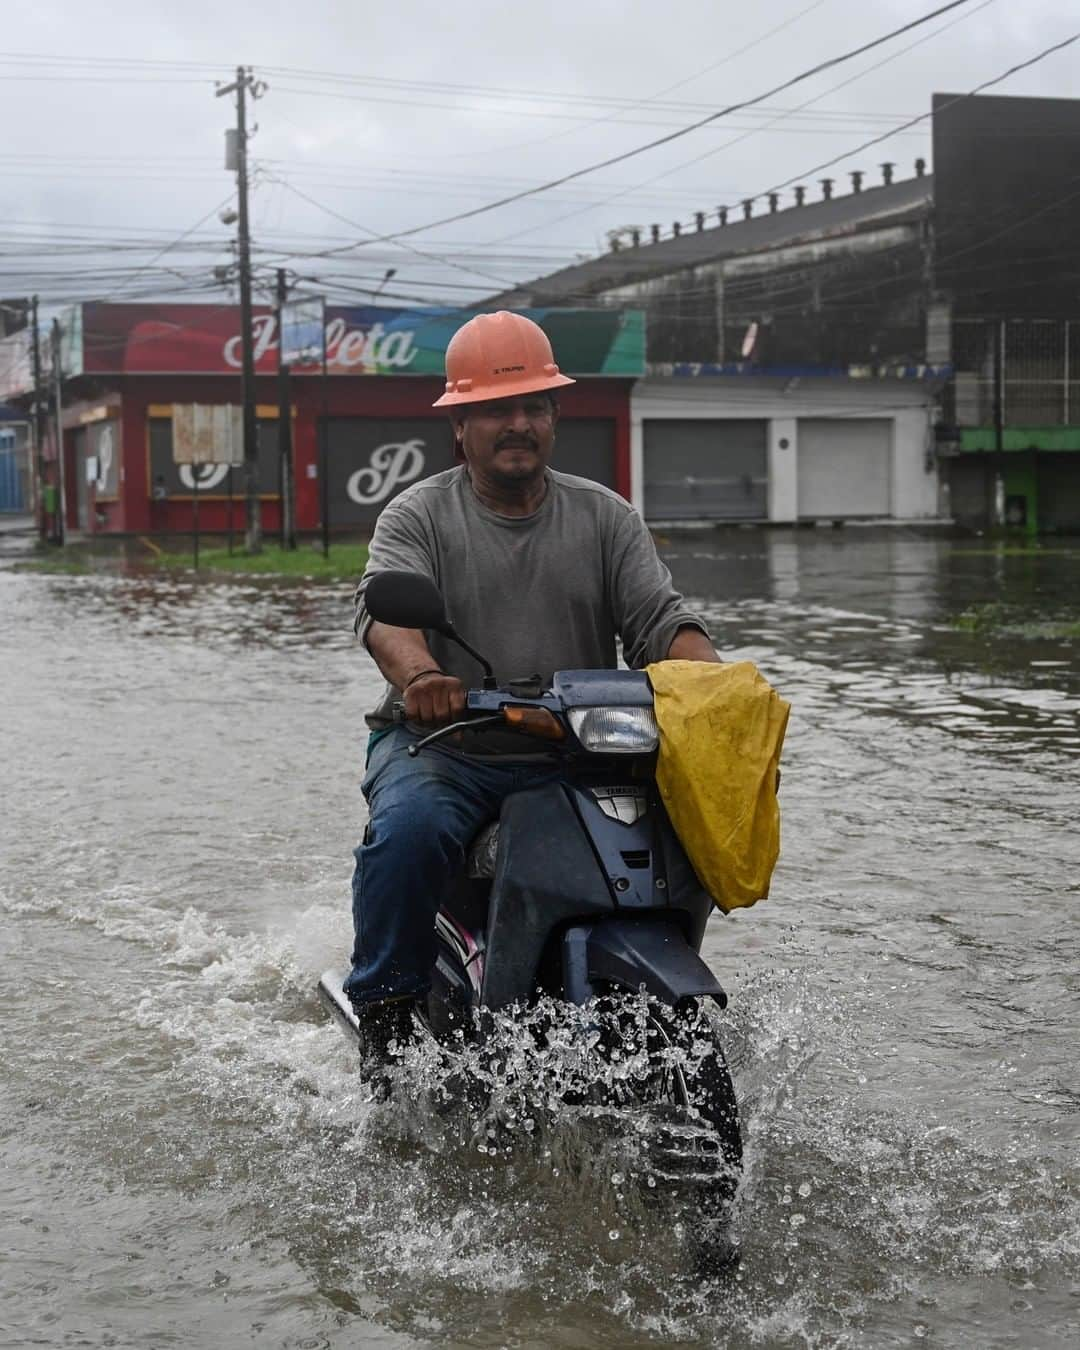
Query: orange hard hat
x=498 y=356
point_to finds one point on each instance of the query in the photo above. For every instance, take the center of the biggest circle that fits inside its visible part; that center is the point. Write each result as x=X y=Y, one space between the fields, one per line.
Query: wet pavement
x=190 y=1157
x=15 y=524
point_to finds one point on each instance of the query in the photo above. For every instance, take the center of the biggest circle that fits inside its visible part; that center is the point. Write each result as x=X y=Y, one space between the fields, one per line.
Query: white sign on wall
x=390 y=466
x=106 y=453
x=205 y=433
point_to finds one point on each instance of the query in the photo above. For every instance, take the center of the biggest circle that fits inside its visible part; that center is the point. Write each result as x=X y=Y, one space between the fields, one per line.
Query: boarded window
x=212 y=480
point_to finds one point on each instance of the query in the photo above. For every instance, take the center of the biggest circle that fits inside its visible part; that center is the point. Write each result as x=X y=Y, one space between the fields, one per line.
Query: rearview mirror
x=406 y=600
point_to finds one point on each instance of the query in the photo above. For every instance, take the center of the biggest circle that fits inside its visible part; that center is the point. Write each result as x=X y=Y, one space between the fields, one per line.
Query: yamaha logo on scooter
x=627 y=804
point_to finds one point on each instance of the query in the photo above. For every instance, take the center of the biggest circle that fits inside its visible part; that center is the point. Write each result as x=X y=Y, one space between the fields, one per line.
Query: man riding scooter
x=544 y=571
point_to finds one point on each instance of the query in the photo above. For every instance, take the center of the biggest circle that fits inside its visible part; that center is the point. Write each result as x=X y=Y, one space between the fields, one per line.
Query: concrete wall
x=906 y=404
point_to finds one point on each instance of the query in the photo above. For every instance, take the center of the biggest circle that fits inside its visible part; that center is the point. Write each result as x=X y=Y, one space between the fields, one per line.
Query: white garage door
x=845 y=467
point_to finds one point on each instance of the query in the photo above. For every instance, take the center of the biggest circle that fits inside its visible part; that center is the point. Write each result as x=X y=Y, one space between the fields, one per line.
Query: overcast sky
x=392 y=115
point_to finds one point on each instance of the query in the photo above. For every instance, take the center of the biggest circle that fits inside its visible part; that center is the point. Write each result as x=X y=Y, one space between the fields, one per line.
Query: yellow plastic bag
x=721 y=732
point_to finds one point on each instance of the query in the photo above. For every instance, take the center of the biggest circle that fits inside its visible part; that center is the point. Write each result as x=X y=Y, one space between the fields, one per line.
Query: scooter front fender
x=638 y=953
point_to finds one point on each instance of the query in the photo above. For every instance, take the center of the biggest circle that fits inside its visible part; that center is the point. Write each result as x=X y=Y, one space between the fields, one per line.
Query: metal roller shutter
x=1059 y=491
x=705 y=469
x=845 y=467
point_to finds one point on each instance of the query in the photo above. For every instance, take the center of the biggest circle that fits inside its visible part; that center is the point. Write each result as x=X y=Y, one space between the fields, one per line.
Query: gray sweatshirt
x=539 y=593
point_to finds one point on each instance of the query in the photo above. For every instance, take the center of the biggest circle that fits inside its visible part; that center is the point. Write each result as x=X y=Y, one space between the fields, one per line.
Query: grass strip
x=345 y=563
x=998 y=620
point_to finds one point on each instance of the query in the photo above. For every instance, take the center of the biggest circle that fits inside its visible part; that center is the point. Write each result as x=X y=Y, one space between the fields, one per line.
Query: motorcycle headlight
x=615 y=731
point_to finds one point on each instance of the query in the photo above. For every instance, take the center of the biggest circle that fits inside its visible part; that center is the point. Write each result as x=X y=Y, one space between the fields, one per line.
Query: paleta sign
x=360 y=340
x=351 y=349
x=205 y=339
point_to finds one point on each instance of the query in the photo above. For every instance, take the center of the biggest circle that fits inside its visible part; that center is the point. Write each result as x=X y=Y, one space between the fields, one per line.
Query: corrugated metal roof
x=873 y=207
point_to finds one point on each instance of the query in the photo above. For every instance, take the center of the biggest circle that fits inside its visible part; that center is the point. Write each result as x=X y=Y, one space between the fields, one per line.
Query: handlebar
x=529 y=719
x=452 y=727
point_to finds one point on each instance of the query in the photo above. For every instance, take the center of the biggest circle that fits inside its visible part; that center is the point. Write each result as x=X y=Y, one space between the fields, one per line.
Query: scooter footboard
x=634 y=954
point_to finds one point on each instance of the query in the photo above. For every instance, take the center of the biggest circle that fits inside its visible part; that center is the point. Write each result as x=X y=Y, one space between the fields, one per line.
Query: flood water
x=190 y=1157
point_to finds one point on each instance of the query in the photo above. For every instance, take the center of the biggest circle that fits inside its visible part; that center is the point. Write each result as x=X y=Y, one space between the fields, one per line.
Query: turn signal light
x=535 y=722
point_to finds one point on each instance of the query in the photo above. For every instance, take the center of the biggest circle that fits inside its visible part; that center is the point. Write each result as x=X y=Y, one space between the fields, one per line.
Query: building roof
x=873 y=207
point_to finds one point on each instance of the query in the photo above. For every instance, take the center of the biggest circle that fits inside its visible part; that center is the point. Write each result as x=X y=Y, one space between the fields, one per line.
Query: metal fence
x=1031 y=365
x=15 y=486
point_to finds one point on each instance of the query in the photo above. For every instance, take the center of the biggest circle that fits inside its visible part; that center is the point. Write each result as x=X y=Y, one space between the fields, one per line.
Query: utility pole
x=999 y=422
x=245 y=84
x=61 y=509
x=288 y=491
x=39 y=422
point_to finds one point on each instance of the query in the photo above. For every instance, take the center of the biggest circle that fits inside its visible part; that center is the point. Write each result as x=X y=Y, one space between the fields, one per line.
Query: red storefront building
x=125 y=367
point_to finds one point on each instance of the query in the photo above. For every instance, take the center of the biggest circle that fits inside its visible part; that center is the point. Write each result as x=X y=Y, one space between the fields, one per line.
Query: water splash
x=534 y=1189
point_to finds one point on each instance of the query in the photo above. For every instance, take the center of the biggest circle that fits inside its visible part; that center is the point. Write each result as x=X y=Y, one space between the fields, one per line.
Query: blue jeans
x=424 y=813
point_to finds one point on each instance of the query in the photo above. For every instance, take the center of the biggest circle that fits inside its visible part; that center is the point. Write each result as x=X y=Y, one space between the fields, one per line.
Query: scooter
x=581 y=893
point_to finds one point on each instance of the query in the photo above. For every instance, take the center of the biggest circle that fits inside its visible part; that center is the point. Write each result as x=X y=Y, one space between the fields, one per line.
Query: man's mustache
x=516 y=442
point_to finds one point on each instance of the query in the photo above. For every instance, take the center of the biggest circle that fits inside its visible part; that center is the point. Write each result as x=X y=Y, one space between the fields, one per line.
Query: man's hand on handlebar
x=435 y=699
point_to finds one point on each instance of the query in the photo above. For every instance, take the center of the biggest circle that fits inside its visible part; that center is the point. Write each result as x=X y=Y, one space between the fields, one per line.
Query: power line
x=615 y=103
x=379 y=181
x=487 y=276
x=683 y=131
x=111 y=80
x=579 y=124
x=766 y=126
x=735 y=291
x=838 y=300
x=971 y=93
x=654 y=99
x=178 y=240
x=565 y=98
x=148 y=237
x=922 y=117
x=142 y=62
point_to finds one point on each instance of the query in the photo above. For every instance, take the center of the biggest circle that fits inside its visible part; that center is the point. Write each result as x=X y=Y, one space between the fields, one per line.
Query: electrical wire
x=818 y=69
x=943 y=259
x=487 y=276
x=766 y=126
x=732 y=288
x=111 y=80
x=986 y=84
x=169 y=247
x=914 y=121
x=789 y=280
x=61 y=65
x=503 y=94
x=97 y=62
x=654 y=99
x=579 y=124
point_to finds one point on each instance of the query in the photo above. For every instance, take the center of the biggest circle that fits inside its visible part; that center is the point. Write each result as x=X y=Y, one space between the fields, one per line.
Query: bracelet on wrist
x=433 y=670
